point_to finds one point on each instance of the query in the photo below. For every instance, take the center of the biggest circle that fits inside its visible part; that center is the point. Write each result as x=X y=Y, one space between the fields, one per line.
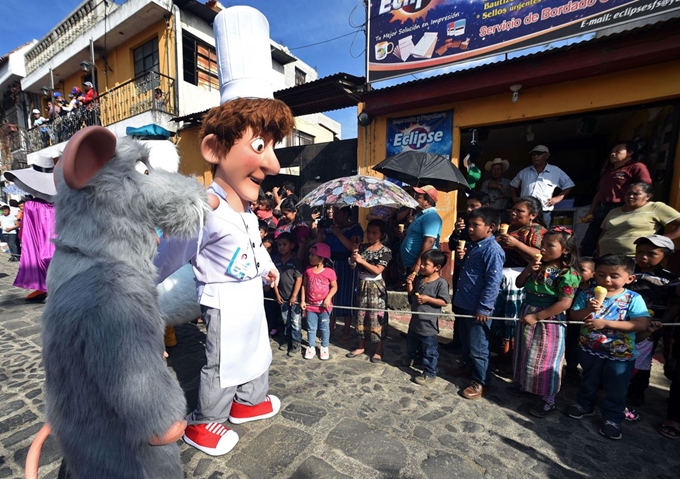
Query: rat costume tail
x=33 y=457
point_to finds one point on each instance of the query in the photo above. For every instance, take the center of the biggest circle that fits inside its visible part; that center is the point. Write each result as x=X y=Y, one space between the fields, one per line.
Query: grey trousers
x=214 y=402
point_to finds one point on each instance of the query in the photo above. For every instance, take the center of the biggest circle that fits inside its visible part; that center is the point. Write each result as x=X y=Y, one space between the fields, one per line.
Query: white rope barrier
x=452 y=315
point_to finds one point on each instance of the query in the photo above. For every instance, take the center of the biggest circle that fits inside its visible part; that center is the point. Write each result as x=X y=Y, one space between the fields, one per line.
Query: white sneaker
x=310 y=353
x=324 y=355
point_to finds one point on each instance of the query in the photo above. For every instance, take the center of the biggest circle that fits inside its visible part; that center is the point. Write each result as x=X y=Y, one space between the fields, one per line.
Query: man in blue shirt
x=478 y=286
x=424 y=232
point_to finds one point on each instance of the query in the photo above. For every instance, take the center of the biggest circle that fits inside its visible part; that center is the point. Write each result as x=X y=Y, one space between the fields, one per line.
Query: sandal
x=376 y=359
x=352 y=354
x=671 y=432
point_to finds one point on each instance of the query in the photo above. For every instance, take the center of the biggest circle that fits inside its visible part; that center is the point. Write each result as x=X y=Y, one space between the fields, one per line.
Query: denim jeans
x=13 y=243
x=426 y=347
x=474 y=337
x=614 y=375
x=322 y=322
x=292 y=320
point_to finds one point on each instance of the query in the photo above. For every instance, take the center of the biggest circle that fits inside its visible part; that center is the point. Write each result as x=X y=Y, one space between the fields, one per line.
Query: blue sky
x=293 y=23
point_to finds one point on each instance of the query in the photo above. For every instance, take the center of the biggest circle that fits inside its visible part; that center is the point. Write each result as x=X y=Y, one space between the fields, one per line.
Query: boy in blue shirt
x=607 y=341
x=478 y=286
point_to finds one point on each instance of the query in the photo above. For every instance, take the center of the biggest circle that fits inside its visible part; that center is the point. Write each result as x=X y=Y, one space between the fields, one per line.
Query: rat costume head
x=238 y=137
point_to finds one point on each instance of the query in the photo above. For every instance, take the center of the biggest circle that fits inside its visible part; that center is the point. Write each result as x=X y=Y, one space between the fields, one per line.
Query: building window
x=299 y=138
x=200 y=63
x=147 y=67
x=300 y=77
x=146 y=58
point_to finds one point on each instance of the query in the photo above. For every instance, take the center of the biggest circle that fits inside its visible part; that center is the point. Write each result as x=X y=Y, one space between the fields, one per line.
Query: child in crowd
x=292 y=222
x=265 y=211
x=271 y=309
x=550 y=282
x=264 y=229
x=287 y=292
x=607 y=341
x=319 y=285
x=475 y=201
x=657 y=286
x=587 y=267
x=428 y=293
x=372 y=258
x=268 y=243
x=478 y=286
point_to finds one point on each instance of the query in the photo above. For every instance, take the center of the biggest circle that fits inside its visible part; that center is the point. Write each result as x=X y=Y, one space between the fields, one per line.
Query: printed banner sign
x=428 y=133
x=407 y=36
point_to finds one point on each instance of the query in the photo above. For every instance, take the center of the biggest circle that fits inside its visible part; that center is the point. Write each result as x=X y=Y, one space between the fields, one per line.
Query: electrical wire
x=325 y=41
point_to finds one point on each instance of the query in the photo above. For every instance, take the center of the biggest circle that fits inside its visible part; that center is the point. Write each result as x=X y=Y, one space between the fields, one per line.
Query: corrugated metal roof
x=333 y=92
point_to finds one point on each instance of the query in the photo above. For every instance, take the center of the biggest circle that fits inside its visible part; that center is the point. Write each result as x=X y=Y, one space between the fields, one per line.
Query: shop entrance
x=580 y=146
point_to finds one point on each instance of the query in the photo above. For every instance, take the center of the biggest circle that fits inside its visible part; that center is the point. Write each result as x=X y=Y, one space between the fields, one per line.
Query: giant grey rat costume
x=108 y=390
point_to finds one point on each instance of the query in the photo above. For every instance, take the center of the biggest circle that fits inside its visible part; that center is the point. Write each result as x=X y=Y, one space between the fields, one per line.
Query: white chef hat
x=244 y=60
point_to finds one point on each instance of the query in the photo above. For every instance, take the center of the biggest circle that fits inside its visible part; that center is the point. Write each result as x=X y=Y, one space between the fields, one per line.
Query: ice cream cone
x=600 y=293
x=461 y=243
x=538 y=256
x=504 y=228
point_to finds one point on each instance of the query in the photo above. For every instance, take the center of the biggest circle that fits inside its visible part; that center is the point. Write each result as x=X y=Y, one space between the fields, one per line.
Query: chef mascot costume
x=231 y=264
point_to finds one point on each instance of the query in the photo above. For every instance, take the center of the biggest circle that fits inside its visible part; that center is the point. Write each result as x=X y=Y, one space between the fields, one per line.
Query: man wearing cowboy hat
x=540 y=180
x=498 y=188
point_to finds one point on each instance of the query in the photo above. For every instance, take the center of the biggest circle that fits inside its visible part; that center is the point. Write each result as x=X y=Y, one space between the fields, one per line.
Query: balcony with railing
x=61 y=128
x=64 y=34
x=149 y=92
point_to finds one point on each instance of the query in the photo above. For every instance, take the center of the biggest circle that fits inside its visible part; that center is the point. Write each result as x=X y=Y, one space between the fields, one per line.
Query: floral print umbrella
x=364 y=191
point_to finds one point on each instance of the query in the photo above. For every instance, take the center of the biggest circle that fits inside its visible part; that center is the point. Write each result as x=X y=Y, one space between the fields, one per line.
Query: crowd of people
x=64 y=116
x=508 y=263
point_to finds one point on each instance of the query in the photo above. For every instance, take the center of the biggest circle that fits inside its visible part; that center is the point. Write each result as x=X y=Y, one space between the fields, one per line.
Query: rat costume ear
x=85 y=153
x=210 y=149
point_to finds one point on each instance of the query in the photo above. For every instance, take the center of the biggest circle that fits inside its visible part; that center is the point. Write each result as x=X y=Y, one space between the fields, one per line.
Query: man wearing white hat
x=540 y=180
x=238 y=139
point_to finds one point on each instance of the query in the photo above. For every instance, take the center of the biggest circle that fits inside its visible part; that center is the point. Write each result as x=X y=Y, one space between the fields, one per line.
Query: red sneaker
x=241 y=413
x=212 y=438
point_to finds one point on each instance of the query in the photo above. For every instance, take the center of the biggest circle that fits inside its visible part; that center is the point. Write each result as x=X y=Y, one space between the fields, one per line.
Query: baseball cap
x=321 y=249
x=428 y=190
x=56 y=94
x=87 y=83
x=35 y=110
x=657 y=240
x=540 y=149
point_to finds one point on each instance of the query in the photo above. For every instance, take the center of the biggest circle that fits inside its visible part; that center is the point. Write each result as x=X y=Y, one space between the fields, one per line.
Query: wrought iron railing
x=61 y=128
x=151 y=91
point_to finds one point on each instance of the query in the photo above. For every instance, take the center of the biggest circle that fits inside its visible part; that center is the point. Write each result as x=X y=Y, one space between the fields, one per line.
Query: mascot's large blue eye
x=258 y=145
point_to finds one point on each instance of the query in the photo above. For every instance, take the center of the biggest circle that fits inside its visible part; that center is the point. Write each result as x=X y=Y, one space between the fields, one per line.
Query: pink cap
x=321 y=249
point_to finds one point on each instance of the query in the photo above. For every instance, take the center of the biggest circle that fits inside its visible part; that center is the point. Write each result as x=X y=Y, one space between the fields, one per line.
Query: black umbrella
x=417 y=169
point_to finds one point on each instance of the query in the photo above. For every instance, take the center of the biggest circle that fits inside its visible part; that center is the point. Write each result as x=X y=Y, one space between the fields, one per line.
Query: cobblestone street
x=350 y=418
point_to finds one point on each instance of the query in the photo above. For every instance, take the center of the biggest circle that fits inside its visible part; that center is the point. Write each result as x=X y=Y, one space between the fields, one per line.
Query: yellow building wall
x=121 y=62
x=191 y=160
x=631 y=87
x=320 y=134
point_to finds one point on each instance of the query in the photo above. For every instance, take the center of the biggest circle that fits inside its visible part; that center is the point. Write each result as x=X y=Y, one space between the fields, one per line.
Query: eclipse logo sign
x=417 y=138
